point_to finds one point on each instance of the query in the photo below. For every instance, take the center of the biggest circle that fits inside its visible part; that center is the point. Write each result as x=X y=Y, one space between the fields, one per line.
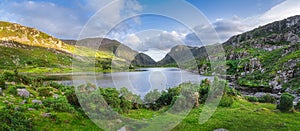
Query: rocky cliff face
x=180 y=54
x=268 y=56
x=142 y=59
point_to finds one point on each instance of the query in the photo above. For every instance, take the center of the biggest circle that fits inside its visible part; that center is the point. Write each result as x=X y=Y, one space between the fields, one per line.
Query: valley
x=262 y=88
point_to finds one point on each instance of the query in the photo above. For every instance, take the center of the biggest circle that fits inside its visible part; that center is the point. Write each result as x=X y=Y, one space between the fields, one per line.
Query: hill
x=116 y=48
x=33 y=51
x=264 y=59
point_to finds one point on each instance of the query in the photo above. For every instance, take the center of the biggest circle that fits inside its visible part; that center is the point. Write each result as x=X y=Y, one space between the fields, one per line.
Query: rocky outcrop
x=23 y=93
x=30 y=36
x=142 y=59
x=181 y=54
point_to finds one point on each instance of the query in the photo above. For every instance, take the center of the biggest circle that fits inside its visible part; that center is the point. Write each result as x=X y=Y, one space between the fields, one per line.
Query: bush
x=286 y=102
x=267 y=99
x=72 y=98
x=56 y=85
x=12 y=90
x=2 y=83
x=180 y=103
x=226 y=101
x=298 y=106
x=44 y=91
x=152 y=96
x=16 y=120
x=252 y=98
x=60 y=104
x=9 y=76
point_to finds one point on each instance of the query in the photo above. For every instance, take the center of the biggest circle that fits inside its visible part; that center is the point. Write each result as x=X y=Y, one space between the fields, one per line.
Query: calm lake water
x=139 y=82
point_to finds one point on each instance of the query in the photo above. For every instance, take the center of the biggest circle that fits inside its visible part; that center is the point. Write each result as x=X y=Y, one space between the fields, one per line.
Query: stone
x=220 y=129
x=260 y=94
x=55 y=96
x=47 y=115
x=37 y=102
x=23 y=102
x=31 y=109
x=23 y=93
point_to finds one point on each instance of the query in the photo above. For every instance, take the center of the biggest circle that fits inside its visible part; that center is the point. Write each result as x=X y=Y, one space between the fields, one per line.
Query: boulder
x=23 y=93
x=260 y=94
x=220 y=129
x=31 y=109
x=37 y=102
x=47 y=115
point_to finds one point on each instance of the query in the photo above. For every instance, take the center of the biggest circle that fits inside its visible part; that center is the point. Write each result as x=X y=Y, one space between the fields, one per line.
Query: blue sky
x=151 y=34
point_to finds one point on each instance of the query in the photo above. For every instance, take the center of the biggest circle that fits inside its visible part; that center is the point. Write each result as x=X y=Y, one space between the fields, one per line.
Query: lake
x=140 y=81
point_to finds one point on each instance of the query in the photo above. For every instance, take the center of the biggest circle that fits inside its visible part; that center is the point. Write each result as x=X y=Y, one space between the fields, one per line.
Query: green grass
x=67 y=121
x=242 y=115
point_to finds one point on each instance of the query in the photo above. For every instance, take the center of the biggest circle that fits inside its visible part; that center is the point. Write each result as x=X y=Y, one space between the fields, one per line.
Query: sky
x=149 y=26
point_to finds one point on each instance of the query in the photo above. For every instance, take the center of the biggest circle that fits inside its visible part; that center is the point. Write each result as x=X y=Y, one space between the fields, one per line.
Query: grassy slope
x=242 y=115
x=38 y=55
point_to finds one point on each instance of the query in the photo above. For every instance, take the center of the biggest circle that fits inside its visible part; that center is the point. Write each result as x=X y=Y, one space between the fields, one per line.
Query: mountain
x=30 y=36
x=181 y=53
x=264 y=59
x=30 y=50
x=142 y=59
x=267 y=57
x=117 y=48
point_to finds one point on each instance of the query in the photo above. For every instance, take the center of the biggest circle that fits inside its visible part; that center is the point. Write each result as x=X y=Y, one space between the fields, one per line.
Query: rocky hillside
x=267 y=57
x=142 y=59
x=31 y=36
x=31 y=50
x=264 y=59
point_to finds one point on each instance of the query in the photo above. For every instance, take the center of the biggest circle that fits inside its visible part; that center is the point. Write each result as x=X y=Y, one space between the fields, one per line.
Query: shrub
x=167 y=96
x=9 y=76
x=44 y=91
x=180 y=103
x=125 y=104
x=267 y=99
x=56 y=85
x=231 y=91
x=72 y=98
x=298 y=106
x=252 y=99
x=152 y=96
x=226 y=101
x=12 y=90
x=60 y=104
x=2 y=83
x=12 y=119
x=286 y=102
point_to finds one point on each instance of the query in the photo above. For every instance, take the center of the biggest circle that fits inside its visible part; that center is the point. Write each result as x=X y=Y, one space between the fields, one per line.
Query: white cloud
x=236 y=25
x=48 y=17
x=133 y=40
x=110 y=18
x=154 y=40
x=66 y=21
x=281 y=11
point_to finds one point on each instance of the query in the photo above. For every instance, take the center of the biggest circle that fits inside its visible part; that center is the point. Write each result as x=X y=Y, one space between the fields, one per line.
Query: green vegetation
x=286 y=102
x=64 y=111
